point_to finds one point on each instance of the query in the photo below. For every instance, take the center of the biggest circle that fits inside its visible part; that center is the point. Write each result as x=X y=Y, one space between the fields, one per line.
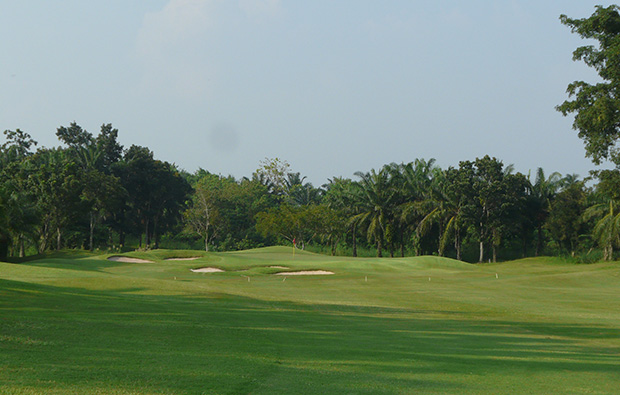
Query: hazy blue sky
x=332 y=87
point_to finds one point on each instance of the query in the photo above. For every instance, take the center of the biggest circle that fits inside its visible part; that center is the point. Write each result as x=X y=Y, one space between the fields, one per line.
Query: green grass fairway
x=81 y=324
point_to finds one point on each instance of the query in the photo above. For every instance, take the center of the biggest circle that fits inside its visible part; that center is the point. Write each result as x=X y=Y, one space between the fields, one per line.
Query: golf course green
x=80 y=323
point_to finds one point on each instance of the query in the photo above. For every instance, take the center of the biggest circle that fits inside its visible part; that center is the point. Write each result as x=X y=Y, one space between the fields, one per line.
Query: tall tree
x=58 y=183
x=565 y=222
x=342 y=196
x=414 y=183
x=607 y=229
x=156 y=194
x=597 y=106
x=376 y=205
x=542 y=193
x=273 y=173
x=18 y=213
x=203 y=215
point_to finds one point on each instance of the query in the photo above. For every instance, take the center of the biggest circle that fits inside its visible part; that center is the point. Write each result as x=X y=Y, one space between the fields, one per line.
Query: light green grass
x=78 y=323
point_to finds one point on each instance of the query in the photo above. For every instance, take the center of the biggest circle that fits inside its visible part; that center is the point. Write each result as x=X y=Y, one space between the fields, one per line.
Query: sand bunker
x=128 y=260
x=305 y=273
x=182 y=259
x=277 y=267
x=207 y=270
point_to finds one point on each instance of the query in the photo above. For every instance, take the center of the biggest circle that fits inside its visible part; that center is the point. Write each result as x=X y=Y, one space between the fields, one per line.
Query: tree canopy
x=597 y=106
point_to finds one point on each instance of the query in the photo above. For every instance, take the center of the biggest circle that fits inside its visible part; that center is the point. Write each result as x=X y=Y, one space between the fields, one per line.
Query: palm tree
x=300 y=193
x=442 y=206
x=542 y=193
x=375 y=203
x=417 y=184
x=343 y=196
x=607 y=229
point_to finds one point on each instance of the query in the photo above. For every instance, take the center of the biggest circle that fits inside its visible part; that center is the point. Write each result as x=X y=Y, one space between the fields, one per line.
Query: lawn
x=79 y=323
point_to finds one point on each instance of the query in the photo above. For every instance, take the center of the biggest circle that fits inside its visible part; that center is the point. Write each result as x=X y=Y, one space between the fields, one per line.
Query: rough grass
x=78 y=323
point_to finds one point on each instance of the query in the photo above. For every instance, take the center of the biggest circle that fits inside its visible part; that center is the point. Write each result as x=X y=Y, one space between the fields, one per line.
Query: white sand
x=305 y=273
x=128 y=260
x=182 y=259
x=207 y=270
x=277 y=267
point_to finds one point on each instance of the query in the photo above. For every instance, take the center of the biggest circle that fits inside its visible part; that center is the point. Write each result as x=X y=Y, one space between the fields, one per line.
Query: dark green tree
x=18 y=215
x=298 y=224
x=597 y=106
x=156 y=195
x=376 y=204
x=342 y=196
x=565 y=222
x=542 y=193
x=57 y=182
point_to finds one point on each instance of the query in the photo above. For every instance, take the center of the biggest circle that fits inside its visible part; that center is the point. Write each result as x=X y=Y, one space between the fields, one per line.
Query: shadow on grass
x=87 y=341
x=82 y=264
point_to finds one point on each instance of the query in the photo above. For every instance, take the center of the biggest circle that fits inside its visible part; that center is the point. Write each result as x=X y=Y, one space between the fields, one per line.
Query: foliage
x=565 y=223
x=597 y=106
x=92 y=193
x=297 y=224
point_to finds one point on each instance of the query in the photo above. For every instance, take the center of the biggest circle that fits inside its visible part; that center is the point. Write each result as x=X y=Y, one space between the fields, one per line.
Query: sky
x=330 y=86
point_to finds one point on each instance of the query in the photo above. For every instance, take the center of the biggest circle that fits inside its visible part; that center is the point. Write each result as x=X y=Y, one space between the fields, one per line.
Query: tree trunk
x=439 y=249
x=379 y=252
x=439 y=246
x=354 y=240
x=58 y=238
x=539 y=244
x=110 y=238
x=92 y=231
x=481 y=258
x=206 y=237
x=22 y=251
x=155 y=234
x=495 y=243
x=41 y=242
x=147 y=239
x=457 y=244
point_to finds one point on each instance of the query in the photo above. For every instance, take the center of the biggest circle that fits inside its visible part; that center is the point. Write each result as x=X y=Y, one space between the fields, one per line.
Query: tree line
x=92 y=193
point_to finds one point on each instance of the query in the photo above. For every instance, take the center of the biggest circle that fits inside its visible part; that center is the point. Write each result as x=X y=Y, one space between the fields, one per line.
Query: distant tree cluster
x=89 y=193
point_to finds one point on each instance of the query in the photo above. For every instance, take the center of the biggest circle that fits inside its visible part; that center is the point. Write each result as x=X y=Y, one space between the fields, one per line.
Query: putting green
x=80 y=323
